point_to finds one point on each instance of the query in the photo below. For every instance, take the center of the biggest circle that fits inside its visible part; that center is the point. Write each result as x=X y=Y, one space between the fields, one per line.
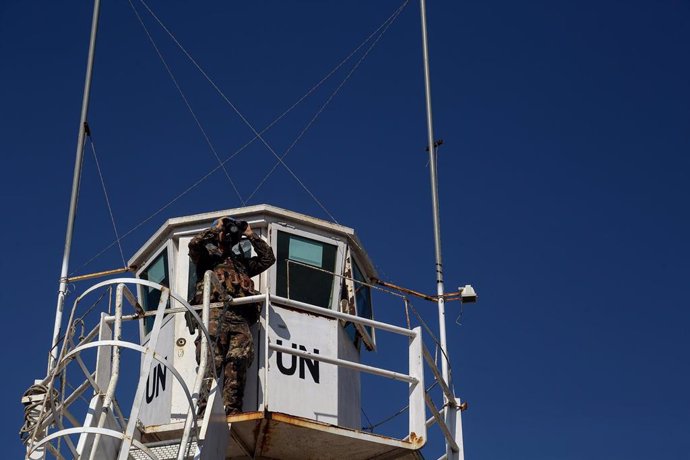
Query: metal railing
x=450 y=410
x=54 y=410
x=106 y=337
x=414 y=378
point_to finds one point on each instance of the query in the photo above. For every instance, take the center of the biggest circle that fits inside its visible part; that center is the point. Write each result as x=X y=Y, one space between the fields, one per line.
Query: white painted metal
x=101 y=403
x=417 y=422
x=442 y=383
x=455 y=428
x=101 y=431
x=157 y=397
x=104 y=403
x=348 y=364
x=214 y=432
x=76 y=179
x=335 y=399
x=349 y=383
x=201 y=371
x=267 y=215
x=299 y=385
x=265 y=353
x=344 y=316
x=436 y=213
x=440 y=420
x=106 y=409
x=101 y=377
x=141 y=387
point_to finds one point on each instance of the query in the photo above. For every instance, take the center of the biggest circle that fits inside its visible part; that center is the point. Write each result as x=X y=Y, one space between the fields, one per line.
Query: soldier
x=231 y=337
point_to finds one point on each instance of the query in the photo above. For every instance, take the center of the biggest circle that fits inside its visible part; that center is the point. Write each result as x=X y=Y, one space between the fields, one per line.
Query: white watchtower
x=302 y=396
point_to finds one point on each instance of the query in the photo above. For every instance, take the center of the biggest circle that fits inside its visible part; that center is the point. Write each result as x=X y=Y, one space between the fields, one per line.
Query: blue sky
x=564 y=183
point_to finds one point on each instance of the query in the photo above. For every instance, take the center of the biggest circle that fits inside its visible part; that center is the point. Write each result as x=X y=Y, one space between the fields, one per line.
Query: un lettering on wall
x=156 y=404
x=297 y=385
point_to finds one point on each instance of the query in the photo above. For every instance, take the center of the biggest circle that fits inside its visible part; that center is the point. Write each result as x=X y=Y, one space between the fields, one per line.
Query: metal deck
x=277 y=435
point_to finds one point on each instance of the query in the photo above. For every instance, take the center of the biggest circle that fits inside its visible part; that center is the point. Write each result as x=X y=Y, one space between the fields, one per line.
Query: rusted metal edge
x=171 y=431
x=449 y=296
x=441 y=423
x=415 y=444
x=89 y=276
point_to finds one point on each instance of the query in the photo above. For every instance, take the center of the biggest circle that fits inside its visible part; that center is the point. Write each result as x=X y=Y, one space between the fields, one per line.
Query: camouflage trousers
x=233 y=345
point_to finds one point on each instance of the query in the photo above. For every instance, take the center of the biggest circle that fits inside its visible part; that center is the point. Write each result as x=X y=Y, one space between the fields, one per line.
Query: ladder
x=60 y=420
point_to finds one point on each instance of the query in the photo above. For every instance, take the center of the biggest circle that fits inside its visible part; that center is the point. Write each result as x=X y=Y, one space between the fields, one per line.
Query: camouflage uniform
x=233 y=343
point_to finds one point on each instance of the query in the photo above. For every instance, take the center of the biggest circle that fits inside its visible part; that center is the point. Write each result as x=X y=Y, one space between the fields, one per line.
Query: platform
x=276 y=435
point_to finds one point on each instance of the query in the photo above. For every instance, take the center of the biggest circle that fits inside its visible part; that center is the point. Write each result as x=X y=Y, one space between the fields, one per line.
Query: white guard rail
x=415 y=378
x=54 y=409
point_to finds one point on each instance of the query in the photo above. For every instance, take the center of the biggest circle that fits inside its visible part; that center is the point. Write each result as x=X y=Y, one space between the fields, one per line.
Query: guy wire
x=241 y=149
x=390 y=22
x=243 y=118
x=186 y=101
x=107 y=200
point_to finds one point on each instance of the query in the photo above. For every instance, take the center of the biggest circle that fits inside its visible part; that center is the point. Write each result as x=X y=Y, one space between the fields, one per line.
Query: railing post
x=201 y=370
x=106 y=407
x=147 y=361
x=455 y=427
x=266 y=350
x=417 y=434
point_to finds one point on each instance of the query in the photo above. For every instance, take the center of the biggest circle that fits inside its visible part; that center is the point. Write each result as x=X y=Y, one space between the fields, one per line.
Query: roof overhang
x=260 y=212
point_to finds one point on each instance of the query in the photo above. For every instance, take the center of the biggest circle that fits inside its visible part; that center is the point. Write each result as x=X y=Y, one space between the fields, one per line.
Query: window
x=357 y=301
x=296 y=255
x=362 y=296
x=191 y=281
x=157 y=272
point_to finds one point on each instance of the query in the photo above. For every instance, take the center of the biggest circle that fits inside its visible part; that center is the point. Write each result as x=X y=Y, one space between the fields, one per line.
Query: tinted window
x=191 y=282
x=362 y=296
x=157 y=272
x=296 y=256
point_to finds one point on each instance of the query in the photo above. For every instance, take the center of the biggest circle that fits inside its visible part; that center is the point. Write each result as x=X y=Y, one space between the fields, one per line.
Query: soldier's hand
x=217 y=230
x=218 y=223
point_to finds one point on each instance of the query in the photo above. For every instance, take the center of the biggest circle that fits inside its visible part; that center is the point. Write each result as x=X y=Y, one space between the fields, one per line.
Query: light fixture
x=467 y=294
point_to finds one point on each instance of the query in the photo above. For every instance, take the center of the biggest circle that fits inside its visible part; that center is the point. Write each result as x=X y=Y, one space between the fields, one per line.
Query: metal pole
x=434 y=192
x=75 y=186
x=435 y=206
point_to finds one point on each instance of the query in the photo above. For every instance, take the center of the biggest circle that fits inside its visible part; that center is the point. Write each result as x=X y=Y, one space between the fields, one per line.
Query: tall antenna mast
x=62 y=291
x=434 y=196
x=449 y=406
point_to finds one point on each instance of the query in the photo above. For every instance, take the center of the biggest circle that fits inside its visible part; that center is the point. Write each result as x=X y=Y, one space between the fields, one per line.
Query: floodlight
x=467 y=294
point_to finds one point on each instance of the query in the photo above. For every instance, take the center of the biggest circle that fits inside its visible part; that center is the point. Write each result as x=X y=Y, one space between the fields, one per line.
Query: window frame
x=181 y=241
x=368 y=339
x=169 y=249
x=273 y=230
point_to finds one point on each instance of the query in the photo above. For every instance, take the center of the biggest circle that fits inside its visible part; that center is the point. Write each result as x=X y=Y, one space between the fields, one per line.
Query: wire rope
x=390 y=22
x=242 y=117
x=433 y=337
x=186 y=101
x=238 y=151
x=107 y=200
x=371 y=426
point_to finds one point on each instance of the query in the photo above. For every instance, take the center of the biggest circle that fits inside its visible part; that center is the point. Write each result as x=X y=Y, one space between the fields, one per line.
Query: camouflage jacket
x=233 y=271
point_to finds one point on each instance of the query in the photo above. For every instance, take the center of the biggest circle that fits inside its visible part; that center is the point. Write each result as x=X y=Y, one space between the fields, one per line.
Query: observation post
x=302 y=396
x=303 y=392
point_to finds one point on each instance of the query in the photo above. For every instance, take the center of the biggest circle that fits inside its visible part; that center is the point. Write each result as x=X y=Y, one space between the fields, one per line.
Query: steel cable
x=247 y=144
x=107 y=200
x=390 y=22
x=243 y=118
x=186 y=101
